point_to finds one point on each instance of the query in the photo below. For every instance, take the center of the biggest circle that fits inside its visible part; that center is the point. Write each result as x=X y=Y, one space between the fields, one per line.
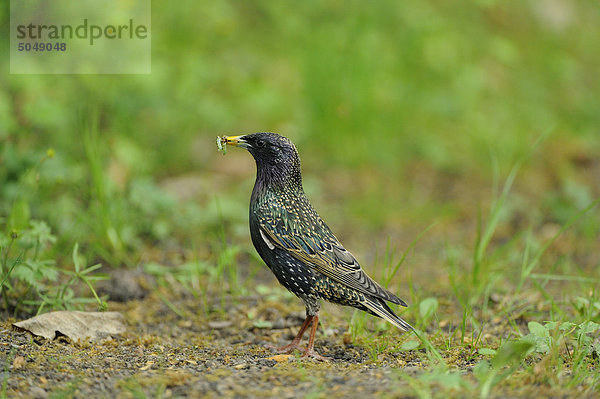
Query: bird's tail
x=379 y=308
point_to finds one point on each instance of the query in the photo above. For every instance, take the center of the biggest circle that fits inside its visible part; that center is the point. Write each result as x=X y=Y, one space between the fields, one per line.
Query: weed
x=29 y=279
x=67 y=391
x=506 y=361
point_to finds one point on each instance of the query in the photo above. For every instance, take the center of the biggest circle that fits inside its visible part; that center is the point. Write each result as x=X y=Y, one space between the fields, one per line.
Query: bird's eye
x=260 y=143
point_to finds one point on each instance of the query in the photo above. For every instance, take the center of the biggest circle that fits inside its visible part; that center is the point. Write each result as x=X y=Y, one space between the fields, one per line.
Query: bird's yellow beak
x=235 y=140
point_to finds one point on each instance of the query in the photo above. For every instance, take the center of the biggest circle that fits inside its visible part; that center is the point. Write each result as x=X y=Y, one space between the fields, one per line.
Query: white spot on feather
x=266 y=240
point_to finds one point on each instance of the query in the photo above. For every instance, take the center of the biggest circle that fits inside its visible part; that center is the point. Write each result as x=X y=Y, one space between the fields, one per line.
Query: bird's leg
x=296 y=341
x=310 y=350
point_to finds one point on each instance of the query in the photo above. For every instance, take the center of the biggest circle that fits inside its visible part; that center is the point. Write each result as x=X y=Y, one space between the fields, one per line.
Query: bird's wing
x=307 y=238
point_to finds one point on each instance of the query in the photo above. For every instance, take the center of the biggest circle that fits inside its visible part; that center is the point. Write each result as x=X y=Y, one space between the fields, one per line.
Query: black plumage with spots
x=297 y=245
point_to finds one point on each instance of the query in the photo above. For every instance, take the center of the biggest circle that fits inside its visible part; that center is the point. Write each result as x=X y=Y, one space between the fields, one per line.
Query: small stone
x=279 y=324
x=219 y=324
x=280 y=358
x=124 y=285
x=18 y=362
x=37 y=393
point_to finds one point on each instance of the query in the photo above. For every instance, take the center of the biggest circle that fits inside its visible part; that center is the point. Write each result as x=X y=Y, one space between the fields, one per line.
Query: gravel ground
x=220 y=355
x=180 y=346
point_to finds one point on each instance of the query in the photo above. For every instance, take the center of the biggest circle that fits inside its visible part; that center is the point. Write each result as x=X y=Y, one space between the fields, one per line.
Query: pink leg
x=310 y=350
x=295 y=344
x=289 y=348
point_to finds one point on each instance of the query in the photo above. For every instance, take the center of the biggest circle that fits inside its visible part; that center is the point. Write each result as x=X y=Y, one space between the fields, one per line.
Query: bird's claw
x=314 y=355
x=307 y=353
x=289 y=348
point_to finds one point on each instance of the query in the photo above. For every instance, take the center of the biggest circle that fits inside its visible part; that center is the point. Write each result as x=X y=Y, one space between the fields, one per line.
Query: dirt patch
x=222 y=354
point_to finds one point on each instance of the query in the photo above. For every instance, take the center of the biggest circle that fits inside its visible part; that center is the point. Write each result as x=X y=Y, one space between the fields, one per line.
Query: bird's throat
x=269 y=185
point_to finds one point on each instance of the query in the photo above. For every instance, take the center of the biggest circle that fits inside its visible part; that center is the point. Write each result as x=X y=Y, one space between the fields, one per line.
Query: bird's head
x=277 y=161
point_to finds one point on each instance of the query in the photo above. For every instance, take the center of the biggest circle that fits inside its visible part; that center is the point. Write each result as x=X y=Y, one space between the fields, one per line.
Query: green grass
x=451 y=146
x=567 y=339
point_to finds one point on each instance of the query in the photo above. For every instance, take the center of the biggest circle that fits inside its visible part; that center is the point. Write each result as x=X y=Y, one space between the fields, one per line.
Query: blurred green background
x=404 y=113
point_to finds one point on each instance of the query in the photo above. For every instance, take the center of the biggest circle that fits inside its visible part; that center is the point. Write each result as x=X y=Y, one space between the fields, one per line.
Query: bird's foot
x=289 y=348
x=307 y=353
x=311 y=353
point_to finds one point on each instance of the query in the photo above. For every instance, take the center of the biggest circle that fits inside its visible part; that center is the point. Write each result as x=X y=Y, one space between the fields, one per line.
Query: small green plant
x=31 y=279
x=587 y=308
x=429 y=383
x=62 y=295
x=135 y=389
x=27 y=270
x=6 y=267
x=101 y=202
x=506 y=361
x=68 y=390
x=547 y=337
x=473 y=289
x=192 y=276
x=427 y=310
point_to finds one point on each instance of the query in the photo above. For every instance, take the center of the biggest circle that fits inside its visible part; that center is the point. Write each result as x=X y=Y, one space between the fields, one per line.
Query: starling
x=298 y=246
